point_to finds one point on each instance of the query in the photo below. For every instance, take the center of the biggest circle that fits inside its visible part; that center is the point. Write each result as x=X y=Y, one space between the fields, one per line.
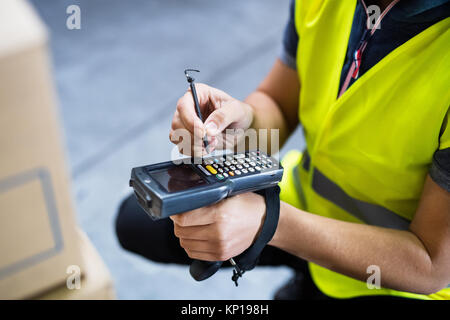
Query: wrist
x=261 y=204
x=249 y=111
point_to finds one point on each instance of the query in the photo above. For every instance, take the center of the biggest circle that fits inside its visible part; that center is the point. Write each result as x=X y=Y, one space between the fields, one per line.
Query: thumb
x=222 y=118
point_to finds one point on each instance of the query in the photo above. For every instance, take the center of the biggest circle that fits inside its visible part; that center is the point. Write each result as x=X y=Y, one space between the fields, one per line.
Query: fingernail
x=211 y=129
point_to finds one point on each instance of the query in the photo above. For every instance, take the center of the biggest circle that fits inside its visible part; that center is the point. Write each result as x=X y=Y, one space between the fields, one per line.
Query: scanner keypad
x=236 y=165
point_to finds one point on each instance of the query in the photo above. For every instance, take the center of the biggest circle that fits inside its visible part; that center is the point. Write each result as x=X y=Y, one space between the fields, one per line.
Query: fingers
x=206 y=250
x=222 y=117
x=187 y=115
x=206 y=256
x=197 y=217
x=199 y=224
x=208 y=97
x=190 y=144
x=209 y=100
x=186 y=121
x=218 y=107
x=199 y=245
x=186 y=145
x=193 y=232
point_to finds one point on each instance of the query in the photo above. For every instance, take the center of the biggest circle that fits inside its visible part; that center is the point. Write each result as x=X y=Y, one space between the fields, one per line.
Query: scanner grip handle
x=201 y=270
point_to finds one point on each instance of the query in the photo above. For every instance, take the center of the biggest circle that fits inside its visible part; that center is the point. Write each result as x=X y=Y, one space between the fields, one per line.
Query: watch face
x=178 y=178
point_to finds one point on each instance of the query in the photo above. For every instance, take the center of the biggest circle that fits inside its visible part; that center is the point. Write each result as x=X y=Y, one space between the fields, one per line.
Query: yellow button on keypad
x=211 y=169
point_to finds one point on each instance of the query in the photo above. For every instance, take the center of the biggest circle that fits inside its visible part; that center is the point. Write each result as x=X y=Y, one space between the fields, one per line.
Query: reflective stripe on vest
x=367 y=212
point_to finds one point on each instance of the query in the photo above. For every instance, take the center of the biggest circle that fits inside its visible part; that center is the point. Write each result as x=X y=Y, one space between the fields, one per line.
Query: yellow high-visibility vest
x=368 y=151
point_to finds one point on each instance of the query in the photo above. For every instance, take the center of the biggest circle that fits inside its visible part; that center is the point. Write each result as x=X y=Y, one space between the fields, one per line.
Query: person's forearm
x=267 y=115
x=349 y=248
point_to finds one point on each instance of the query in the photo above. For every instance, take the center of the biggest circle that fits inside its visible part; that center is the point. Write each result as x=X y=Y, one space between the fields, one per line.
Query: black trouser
x=156 y=241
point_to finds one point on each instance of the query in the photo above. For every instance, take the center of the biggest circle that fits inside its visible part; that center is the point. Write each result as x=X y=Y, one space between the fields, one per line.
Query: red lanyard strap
x=353 y=72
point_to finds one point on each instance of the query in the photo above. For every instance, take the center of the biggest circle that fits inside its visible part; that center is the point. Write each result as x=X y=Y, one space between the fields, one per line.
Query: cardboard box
x=95 y=284
x=38 y=238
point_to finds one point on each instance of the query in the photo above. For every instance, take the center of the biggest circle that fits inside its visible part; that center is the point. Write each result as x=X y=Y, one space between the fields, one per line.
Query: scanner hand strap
x=248 y=259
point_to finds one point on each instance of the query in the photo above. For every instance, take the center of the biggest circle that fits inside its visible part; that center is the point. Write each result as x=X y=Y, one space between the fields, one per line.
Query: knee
x=138 y=233
x=125 y=223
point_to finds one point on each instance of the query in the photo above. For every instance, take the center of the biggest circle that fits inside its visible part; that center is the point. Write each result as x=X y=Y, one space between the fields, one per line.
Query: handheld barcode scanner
x=166 y=188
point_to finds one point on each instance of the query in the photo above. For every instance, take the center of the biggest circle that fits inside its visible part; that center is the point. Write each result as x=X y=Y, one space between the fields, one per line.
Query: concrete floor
x=118 y=80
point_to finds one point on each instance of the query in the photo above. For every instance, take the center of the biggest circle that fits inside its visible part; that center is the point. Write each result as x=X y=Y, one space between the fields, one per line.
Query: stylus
x=197 y=105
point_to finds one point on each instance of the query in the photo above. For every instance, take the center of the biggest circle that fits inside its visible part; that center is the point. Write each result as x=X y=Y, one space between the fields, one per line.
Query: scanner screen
x=178 y=178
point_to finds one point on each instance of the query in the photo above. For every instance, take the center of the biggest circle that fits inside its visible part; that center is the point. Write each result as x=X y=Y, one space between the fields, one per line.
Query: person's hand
x=219 y=111
x=221 y=231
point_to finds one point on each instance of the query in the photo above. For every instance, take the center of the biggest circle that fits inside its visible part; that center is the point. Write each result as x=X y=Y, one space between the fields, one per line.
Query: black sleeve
x=440 y=168
x=290 y=40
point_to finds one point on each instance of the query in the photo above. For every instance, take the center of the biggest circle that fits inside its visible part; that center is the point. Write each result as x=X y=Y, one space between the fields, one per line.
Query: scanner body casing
x=159 y=203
